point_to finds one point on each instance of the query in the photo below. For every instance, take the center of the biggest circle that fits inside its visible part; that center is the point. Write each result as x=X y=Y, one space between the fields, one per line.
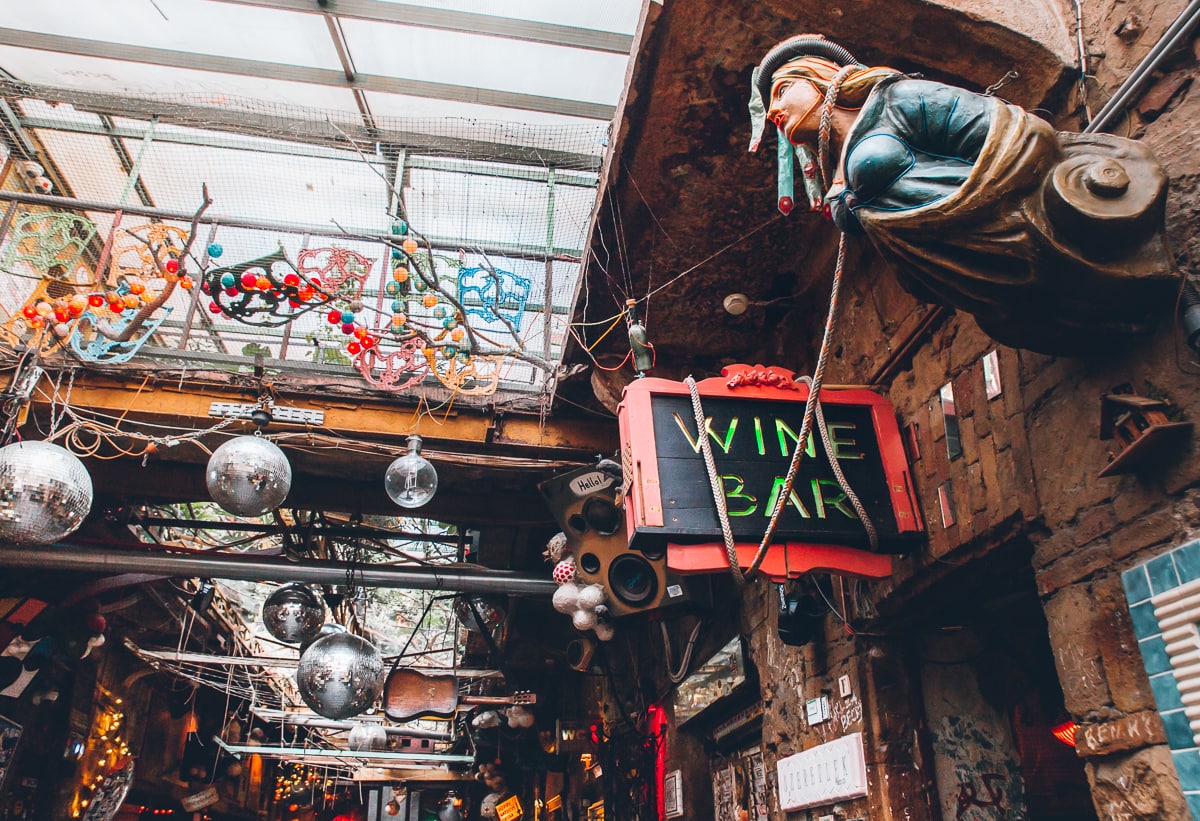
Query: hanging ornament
x=367 y=736
x=411 y=481
x=293 y=613
x=340 y=676
x=215 y=250
x=564 y=571
x=248 y=476
x=45 y=493
x=591 y=596
x=566 y=598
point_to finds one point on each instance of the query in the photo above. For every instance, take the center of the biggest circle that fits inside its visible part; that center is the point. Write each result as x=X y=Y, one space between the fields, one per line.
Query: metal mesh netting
x=505 y=208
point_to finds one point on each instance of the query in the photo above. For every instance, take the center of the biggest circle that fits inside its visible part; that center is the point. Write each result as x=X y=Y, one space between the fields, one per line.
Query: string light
x=106 y=749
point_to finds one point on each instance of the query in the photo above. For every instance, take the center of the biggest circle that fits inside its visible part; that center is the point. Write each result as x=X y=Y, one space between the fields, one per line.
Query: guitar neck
x=494 y=701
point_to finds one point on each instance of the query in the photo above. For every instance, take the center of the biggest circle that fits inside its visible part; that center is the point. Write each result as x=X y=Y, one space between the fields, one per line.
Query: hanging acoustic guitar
x=410 y=694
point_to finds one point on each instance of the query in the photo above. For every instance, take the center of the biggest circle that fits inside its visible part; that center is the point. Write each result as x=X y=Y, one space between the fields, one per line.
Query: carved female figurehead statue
x=1053 y=241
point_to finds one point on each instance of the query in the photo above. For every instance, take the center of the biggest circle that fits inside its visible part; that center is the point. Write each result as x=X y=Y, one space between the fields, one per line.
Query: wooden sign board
x=753 y=420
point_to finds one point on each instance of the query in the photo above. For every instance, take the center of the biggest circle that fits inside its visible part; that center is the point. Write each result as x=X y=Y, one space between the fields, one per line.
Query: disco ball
x=340 y=675
x=367 y=736
x=45 y=492
x=470 y=609
x=328 y=629
x=293 y=613
x=248 y=476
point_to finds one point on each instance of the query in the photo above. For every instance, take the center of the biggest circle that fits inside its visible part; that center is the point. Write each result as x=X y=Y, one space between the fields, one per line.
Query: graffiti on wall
x=975 y=757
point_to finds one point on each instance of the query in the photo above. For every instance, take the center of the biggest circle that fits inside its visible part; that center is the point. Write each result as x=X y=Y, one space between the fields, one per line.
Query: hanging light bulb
x=411 y=480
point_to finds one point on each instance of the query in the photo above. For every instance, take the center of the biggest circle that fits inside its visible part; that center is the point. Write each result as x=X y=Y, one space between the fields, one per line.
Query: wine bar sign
x=753 y=417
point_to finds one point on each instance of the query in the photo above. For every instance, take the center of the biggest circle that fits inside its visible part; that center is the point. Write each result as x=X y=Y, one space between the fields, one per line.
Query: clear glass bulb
x=411 y=480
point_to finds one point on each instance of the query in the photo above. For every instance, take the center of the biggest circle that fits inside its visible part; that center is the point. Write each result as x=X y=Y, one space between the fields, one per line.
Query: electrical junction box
x=817 y=710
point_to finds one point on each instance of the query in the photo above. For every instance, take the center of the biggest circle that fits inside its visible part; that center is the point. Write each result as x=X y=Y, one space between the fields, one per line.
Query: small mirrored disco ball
x=45 y=492
x=483 y=608
x=340 y=676
x=327 y=629
x=248 y=476
x=367 y=736
x=293 y=613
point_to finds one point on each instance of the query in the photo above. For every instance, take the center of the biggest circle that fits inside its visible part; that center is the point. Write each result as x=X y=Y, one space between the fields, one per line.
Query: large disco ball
x=367 y=736
x=248 y=476
x=293 y=613
x=340 y=675
x=45 y=492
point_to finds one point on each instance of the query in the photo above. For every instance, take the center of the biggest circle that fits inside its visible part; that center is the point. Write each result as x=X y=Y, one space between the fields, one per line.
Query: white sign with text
x=829 y=772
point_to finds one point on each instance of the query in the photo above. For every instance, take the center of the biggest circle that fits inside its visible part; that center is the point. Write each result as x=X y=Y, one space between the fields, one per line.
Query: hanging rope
x=843 y=483
x=714 y=482
x=810 y=408
x=825 y=132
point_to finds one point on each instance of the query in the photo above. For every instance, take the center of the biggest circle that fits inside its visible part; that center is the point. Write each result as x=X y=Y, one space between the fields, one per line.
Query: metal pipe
x=320 y=723
x=238 y=750
x=1137 y=80
x=273 y=529
x=246 y=568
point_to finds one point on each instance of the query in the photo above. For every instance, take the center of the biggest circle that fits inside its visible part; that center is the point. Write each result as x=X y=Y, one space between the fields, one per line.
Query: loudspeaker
x=579 y=654
x=585 y=505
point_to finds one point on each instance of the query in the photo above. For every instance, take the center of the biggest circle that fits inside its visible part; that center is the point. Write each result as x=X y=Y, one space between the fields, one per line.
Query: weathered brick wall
x=1028 y=471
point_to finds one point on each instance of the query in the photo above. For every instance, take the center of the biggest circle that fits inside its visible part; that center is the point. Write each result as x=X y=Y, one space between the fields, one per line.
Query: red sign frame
x=791 y=556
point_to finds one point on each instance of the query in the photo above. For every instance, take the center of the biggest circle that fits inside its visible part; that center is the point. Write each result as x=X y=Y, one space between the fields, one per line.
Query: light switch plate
x=844 y=687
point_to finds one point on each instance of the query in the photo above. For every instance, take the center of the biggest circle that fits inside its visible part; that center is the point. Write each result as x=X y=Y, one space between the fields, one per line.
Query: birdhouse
x=1140 y=428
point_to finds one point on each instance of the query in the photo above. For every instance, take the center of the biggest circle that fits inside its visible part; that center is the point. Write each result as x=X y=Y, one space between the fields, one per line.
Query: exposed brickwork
x=1028 y=471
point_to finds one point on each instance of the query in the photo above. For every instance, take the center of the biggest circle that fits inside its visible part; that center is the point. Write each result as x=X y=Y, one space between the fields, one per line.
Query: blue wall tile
x=1162 y=574
x=1145 y=623
x=1187 y=764
x=1166 y=694
x=1187 y=562
x=1179 y=730
x=1193 y=801
x=1137 y=584
x=1154 y=655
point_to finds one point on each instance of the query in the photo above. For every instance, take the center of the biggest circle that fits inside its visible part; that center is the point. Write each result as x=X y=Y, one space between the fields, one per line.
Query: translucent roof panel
x=612 y=15
x=193 y=26
x=485 y=62
x=208 y=88
x=322 y=135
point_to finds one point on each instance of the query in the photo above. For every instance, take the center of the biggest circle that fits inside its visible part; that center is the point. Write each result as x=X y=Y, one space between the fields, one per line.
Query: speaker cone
x=602 y=516
x=631 y=579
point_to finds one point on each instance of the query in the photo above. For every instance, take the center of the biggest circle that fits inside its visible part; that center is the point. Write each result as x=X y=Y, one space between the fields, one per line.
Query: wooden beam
x=370 y=419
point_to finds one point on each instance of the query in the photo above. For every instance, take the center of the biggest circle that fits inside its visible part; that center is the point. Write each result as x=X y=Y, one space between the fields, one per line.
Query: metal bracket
x=295 y=416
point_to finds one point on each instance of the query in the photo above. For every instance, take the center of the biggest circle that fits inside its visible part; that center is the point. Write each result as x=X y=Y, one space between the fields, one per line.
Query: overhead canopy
x=480 y=126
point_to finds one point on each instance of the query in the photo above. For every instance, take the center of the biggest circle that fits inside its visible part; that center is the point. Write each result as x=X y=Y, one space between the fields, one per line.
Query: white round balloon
x=565 y=598
x=591 y=597
x=584 y=619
